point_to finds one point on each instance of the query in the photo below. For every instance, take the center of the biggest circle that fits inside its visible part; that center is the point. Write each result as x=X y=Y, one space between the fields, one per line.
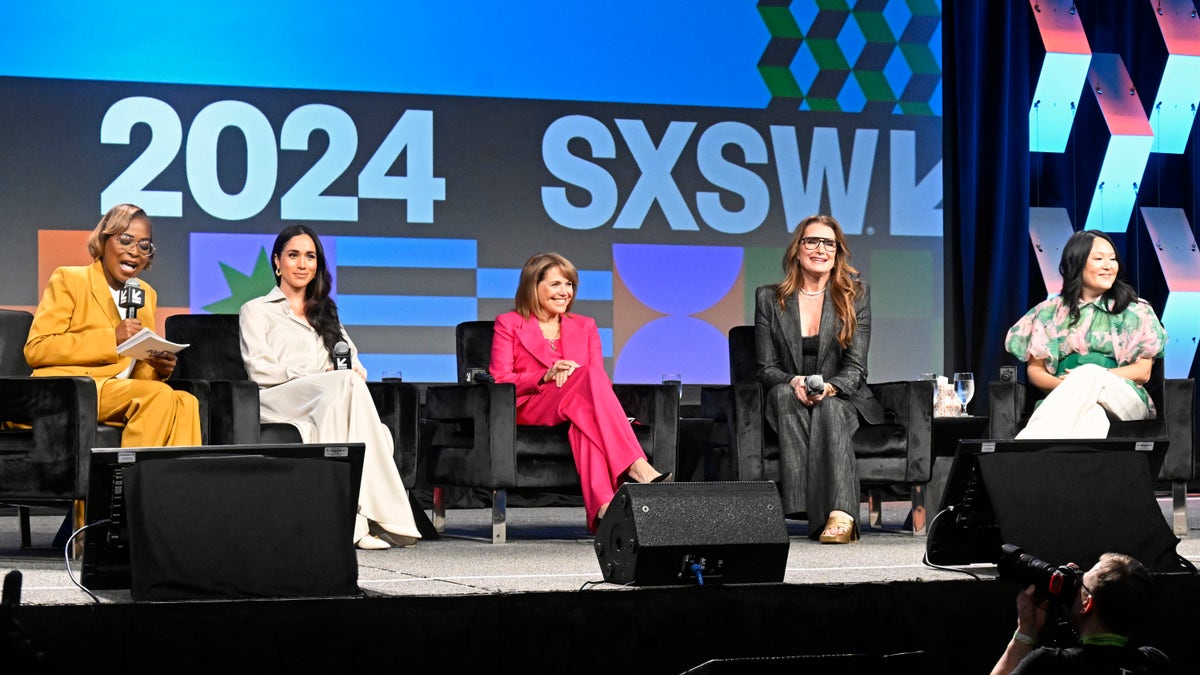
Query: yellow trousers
x=153 y=414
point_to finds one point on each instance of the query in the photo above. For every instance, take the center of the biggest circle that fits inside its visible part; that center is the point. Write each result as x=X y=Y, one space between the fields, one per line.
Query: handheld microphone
x=131 y=298
x=341 y=356
x=479 y=376
x=814 y=385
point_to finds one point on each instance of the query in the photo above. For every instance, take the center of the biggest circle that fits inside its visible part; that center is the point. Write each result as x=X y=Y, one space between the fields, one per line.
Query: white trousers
x=1080 y=407
x=336 y=407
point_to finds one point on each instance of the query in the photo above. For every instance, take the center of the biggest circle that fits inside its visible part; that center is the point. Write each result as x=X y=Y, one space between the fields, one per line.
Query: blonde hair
x=532 y=273
x=844 y=285
x=115 y=222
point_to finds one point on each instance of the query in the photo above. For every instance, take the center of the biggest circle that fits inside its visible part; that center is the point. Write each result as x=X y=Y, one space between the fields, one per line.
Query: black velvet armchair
x=48 y=428
x=476 y=442
x=1011 y=402
x=897 y=452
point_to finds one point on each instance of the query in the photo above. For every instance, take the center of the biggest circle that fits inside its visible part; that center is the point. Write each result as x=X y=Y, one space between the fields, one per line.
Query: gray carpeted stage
x=539 y=603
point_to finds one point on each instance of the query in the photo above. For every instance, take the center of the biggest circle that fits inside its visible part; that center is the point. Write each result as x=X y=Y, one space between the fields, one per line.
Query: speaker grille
x=677 y=533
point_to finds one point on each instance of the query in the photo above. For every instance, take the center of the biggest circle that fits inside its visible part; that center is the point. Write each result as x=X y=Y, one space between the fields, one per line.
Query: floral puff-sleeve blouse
x=1043 y=333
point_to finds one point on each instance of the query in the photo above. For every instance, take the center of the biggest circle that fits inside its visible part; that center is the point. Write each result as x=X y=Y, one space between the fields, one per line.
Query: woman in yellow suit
x=78 y=327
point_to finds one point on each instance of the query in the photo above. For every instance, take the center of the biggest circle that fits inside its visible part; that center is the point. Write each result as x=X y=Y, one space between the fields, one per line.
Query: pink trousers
x=601 y=438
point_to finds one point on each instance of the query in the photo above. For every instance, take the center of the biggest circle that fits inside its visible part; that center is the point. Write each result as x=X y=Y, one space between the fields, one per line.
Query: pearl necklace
x=813 y=294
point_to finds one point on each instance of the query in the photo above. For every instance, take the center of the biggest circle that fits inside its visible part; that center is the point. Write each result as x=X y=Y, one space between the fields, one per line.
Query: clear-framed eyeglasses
x=812 y=243
x=146 y=246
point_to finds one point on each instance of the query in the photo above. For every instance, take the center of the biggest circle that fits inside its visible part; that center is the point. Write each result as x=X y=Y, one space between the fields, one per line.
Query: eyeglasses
x=811 y=243
x=144 y=245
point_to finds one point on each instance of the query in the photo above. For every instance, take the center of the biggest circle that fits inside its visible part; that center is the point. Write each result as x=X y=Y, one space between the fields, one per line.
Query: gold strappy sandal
x=841 y=520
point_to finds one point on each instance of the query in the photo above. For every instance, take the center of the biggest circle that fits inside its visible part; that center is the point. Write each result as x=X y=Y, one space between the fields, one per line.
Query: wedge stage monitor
x=195 y=520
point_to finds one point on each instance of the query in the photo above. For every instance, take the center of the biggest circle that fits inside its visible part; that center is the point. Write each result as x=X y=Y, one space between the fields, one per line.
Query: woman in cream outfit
x=287 y=337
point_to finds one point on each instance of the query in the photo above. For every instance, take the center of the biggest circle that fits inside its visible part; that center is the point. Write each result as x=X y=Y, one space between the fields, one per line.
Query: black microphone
x=814 y=385
x=131 y=298
x=11 y=595
x=341 y=356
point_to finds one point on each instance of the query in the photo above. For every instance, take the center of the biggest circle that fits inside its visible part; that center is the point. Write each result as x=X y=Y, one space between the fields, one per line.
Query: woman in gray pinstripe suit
x=817 y=321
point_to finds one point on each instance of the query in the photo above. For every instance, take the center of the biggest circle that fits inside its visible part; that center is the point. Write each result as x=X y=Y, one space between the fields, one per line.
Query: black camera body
x=1052 y=582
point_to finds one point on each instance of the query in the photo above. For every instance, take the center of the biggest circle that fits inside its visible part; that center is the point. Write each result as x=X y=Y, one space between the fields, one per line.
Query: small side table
x=947 y=432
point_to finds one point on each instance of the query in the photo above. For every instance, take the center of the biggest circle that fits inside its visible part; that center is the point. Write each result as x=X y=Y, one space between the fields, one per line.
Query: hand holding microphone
x=814 y=385
x=810 y=390
x=130 y=298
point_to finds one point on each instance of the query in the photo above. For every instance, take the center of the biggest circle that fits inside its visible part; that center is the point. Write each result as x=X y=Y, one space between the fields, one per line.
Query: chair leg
x=424 y=525
x=918 y=510
x=875 y=507
x=439 y=509
x=23 y=523
x=78 y=520
x=1179 y=508
x=499 y=516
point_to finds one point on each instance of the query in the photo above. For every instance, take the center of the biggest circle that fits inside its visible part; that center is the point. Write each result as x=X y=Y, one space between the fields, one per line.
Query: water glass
x=392 y=376
x=674 y=379
x=931 y=377
x=964 y=388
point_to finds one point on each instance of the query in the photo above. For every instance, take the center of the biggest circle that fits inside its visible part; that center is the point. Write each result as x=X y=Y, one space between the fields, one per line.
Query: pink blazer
x=521 y=355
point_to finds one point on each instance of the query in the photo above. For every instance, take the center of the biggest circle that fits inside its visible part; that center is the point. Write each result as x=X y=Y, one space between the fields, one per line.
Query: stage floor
x=548 y=550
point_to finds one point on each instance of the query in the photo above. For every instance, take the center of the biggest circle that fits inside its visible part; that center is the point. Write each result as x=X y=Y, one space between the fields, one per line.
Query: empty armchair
x=1011 y=402
x=475 y=441
x=897 y=452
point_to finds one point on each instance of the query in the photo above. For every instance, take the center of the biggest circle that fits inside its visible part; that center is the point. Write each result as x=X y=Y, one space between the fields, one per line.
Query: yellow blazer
x=74 y=328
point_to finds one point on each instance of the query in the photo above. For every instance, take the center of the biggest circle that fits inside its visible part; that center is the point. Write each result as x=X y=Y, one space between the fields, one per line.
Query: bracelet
x=1025 y=639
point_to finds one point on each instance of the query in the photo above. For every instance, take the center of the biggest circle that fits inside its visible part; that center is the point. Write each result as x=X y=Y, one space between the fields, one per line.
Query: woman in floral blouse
x=1090 y=348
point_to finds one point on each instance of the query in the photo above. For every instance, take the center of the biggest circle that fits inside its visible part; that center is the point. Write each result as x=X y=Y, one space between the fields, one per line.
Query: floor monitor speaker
x=212 y=522
x=693 y=533
x=1060 y=501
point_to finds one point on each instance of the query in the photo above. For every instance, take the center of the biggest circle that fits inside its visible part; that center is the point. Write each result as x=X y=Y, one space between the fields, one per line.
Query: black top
x=1095 y=660
x=809 y=345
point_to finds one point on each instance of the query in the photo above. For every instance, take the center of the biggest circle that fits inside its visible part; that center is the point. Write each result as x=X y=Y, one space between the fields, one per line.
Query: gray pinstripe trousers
x=816 y=458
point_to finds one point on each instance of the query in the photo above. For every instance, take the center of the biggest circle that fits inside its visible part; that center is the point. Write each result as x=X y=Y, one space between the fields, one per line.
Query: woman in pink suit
x=553 y=358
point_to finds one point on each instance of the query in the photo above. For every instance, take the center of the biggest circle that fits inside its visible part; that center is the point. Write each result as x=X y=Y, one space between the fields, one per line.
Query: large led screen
x=668 y=149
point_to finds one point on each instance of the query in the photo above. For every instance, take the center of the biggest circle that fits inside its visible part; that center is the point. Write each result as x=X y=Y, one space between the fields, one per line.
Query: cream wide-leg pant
x=336 y=407
x=1080 y=407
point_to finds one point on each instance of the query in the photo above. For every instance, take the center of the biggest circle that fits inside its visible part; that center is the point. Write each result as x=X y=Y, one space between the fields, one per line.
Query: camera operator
x=1111 y=602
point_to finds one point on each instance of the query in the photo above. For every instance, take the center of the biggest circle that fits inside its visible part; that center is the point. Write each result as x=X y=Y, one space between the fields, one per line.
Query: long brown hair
x=320 y=309
x=532 y=273
x=844 y=285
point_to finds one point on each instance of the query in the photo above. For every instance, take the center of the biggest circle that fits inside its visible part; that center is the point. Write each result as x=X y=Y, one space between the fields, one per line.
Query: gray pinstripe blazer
x=777 y=341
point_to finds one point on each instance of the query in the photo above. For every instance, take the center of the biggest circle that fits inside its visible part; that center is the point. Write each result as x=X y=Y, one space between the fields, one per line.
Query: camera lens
x=1055 y=582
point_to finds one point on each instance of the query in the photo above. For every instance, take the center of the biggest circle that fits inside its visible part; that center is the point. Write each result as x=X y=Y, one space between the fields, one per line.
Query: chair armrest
x=234 y=417
x=910 y=404
x=399 y=406
x=476 y=423
x=655 y=405
x=60 y=415
x=1177 y=410
x=738 y=409
x=745 y=406
x=1009 y=403
x=202 y=391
